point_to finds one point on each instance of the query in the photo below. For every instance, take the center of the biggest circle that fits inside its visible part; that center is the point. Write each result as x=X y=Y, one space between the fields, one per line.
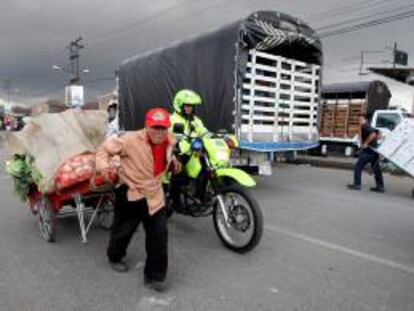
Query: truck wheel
x=291 y=156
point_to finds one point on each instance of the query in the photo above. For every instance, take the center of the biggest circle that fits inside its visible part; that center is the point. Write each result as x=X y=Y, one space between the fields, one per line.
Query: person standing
x=113 y=127
x=369 y=141
x=145 y=156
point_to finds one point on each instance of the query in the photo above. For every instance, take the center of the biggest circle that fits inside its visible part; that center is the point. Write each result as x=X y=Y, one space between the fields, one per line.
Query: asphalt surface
x=323 y=248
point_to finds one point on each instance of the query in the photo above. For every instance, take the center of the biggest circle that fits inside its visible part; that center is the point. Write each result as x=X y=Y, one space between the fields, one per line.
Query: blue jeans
x=368 y=156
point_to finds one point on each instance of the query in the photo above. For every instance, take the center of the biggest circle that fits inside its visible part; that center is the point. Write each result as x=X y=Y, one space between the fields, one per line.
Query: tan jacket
x=136 y=166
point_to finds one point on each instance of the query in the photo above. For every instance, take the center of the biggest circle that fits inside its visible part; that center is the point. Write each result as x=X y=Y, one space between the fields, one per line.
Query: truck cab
x=387 y=120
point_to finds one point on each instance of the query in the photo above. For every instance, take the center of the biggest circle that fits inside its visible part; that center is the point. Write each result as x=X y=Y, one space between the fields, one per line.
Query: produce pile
x=25 y=174
x=72 y=172
x=75 y=170
x=81 y=168
x=55 y=151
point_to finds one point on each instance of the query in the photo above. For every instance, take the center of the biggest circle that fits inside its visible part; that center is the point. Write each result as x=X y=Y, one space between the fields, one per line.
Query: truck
x=398 y=147
x=342 y=104
x=387 y=121
x=259 y=79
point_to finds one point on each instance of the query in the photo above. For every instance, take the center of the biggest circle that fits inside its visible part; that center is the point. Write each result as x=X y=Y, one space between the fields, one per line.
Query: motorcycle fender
x=238 y=175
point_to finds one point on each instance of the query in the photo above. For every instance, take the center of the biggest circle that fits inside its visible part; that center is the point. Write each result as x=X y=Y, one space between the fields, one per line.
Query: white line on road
x=154 y=303
x=343 y=249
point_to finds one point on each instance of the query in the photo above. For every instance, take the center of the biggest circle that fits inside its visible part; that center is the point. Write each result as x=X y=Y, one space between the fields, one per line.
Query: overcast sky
x=34 y=34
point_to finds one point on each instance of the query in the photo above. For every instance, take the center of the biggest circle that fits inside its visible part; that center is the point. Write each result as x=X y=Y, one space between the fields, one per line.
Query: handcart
x=83 y=200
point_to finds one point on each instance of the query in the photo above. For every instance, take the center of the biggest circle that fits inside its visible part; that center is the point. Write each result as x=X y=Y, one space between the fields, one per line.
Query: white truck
x=383 y=120
x=398 y=147
x=387 y=120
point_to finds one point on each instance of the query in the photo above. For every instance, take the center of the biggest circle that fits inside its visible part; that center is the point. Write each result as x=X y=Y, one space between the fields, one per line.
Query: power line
x=115 y=31
x=372 y=23
x=362 y=18
x=60 y=88
x=342 y=10
x=23 y=78
x=112 y=78
x=125 y=29
x=44 y=93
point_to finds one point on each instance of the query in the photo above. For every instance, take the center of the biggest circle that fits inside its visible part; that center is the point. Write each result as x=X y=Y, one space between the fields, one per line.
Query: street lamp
x=73 y=74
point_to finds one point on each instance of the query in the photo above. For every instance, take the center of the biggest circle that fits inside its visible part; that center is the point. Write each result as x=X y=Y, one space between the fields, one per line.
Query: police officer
x=184 y=104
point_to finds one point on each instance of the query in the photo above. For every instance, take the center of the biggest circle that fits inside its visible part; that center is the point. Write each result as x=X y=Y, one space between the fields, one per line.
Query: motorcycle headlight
x=197 y=145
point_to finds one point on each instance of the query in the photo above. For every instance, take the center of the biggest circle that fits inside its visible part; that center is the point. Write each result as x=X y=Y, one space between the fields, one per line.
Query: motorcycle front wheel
x=244 y=227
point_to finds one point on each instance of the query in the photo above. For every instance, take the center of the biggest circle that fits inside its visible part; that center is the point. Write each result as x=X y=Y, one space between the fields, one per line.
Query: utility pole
x=74 y=92
x=74 y=48
x=362 y=63
x=361 y=67
x=393 y=54
x=7 y=88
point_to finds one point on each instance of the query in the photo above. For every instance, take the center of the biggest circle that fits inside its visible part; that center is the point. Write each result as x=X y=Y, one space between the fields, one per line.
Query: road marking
x=154 y=303
x=343 y=249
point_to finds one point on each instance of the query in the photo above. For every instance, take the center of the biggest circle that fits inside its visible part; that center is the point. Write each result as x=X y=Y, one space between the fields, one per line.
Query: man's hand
x=104 y=174
x=368 y=141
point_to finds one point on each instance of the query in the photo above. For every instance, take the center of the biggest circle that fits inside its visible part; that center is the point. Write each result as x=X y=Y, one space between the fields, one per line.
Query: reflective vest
x=193 y=128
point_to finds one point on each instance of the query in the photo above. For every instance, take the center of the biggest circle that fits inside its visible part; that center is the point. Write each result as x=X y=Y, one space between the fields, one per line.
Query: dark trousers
x=368 y=156
x=182 y=179
x=127 y=217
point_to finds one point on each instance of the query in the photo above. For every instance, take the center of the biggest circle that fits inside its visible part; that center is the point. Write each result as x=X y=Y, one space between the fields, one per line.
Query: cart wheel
x=47 y=220
x=106 y=213
x=34 y=208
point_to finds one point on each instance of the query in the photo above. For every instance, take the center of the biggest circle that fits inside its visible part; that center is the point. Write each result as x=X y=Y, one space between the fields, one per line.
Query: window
x=388 y=120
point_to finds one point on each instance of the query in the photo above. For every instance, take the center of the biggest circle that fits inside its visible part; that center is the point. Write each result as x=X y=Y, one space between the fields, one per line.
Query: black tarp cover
x=209 y=65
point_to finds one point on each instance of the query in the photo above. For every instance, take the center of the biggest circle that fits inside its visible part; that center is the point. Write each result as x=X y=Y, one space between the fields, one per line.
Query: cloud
x=37 y=32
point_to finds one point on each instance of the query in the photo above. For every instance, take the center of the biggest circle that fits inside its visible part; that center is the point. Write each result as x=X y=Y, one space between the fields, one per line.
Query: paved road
x=323 y=248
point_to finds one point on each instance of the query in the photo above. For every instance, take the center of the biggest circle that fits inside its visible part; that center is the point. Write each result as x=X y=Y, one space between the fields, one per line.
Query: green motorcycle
x=208 y=186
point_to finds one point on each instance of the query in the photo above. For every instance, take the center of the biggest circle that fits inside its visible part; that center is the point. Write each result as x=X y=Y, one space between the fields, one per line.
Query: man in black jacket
x=369 y=141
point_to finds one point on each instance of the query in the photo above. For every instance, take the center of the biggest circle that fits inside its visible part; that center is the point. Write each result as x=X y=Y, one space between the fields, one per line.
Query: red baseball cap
x=157 y=117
